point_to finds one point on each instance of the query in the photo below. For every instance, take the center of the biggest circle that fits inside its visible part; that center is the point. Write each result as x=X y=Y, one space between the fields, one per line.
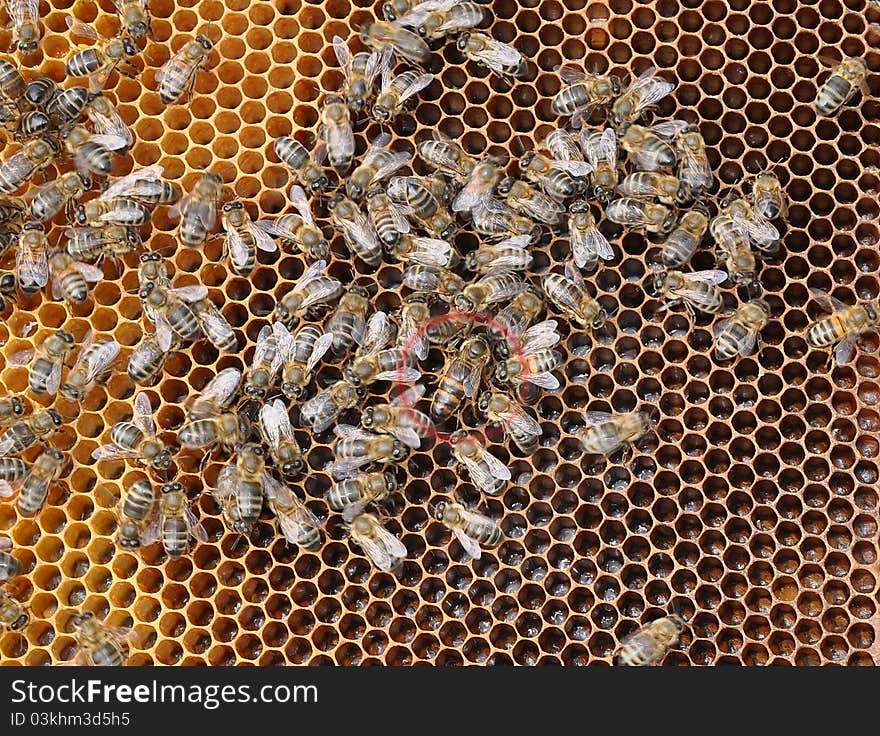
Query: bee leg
x=690 y=310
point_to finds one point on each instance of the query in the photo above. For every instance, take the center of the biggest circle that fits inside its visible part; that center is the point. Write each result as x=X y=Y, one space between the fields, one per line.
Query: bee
x=436 y=20
x=12 y=472
x=99 y=62
x=357 y=230
x=145 y=185
x=435 y=280
x=71 y=278
x=296 y=522
x=67 y=105
x=267 y=360
x=518 y=424
x=147 y=360
x=322 y=410
x=378 y=163
x=29 y=430
x=135 y=513
x=383 y=549
x=694 y=170
x=303 y=352
x=569 y=294
x=110 y=129
x=355 y=448
x=224 y=430
x=13 y=211
x=559 y=179
x=177 y=77
x=388 y=219
x=768 y=197
x=214 y=325
x=733 y=246
x=135 y=17
x=423 y=204
x=359 y=72
x=299 y=229
x=480 y=184
x=470 y=528
x=216 y=396
x=24 y=19
x=508 y=255
x=198 y=210
x=512 y=321
x=497 y=221
x=35 y=489
x=100 y=645
x=529 y=201
x=348 y=322
x=842 y=327
x=738 y=334
x=54 y=196
x=304 y=166
x=91 y=367
x=583 y=93
x=535 y=361
x=151 y=270
x=353 y=495
x=12 y=614
x=278 y=435
x=8 y=287
x=9 y=566
x=33 y=156
x=11 y=407
x=405 y=44
x=12 y=83
x=375 y=362
x=499 y=57
x=683 y=242
x=240 y=489
x=396 y=92
x=178 y=521
x=39 y=93
x=846 y=79
x=447 y=157
x=486 y=471
x=665 y=188
x=31 y=258
x=169 y=310
x=399 y=418
x=588 y=244
x=413 y=336
x=136 y=439
x=758 y=229
x=46 y=360
x=122 y=211
x=488 y=290
x=606 y=433
x=640 y=215
x=335 y=130
x=312 y=289
x=651 y=149
x=33 y=124
x=243 y=238
x=649 y=645
x=461 y=377
x=430 y=252
x=698 y=290
x=643 y=93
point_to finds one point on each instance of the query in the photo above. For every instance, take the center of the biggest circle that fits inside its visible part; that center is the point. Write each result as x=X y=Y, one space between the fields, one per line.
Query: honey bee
x=607 y=433
x=43 y=473
x=758 y=229
x=357 y=230
x=376 y=362
x=378 y=164
x=92 y=366
x=510 y=323
x=48 y=359
x=698 y=290
x=559 y=179
x=694 y=170
x=135 y=513
x=563 y=145
x=640 y=215
x=136 y=439
x=122 y=211
x=243 y=238
x=488 y=290
x=68 y=105
x=461 y=377
x=304 y=166
x=135 y=17
x=570 y=295
x=643 y=93
x=470 y=528
x=32 y=124
x=267 y=360
x=299 y=229
x=665 y=188
x=322 y=410
x=651 y=149
x=414 y=314
x=31 y=258
x=359 y=72
x=9 y=566
x=336 y=132
x=57 y=194
x=768 y=197
x=151 y=270
x=846 y=79
x=71 y=278
x=518 y=424
x=29 y=430
x=198 y=210
x=8 y=287
x=168 y=309
x=224 y=430
x=431 y=279
x=177 y=76
x=499 y=57
x=11 y=407
x=435 y=19
x=352 y=495
x=348 y=322
x=447 y=157
x=842 y=327
x=216 y=396
x=100 y=645
x=24 y=19
x=389 y=220
x=383 y=549
x=12 y=83
x=396 y=92
x=733 y=247
x=480 y=184
x=88 y=153
x=296 y=522
x=302 y=353
x=423 y=204
x=508 y=255
x=399 y=418
x=486 y=471
x=98 y=62
x=529 y=201
x=12 y=614
x=178 y=522
x=312 y=289
x=738 y=334
x=147 y=360
x=145 y=185
x=214 y=325
x=496 y=220
x=535 y=361
x=683 y=242
x=19 y=167
x=240 y=489
x=583 y=93
x=588 y=244
x=649 y=645
x=405 y=44
x=278 y=435
x=355 y=448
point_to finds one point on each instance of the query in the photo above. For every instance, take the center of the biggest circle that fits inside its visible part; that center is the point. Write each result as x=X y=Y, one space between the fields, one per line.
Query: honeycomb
x=753 y=510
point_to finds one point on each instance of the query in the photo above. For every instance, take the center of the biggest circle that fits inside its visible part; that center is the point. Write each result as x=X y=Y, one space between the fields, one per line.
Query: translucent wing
x=376 y=147
x=301 y=203
x=53 y=381
x=588 y=243
x=89 y=273
x=118 y=213
x=180 y=63
x=222 y=387
x=392 y=163
x=22 y=357
x=710 y=277
x=319 y=349
x=113 y=452
x=721 y=326
x=496 y=467
x=419 y=14
x=402 y=375
x=314 y=271
x=410 y=336
x=134 y=183
x=323 y=409
x=216 y=324
x=227 y=483
x=649 y=89
x=32 y=266
x=275 y=422
x=421 y=280
x=238 y=250
x=668 y=129
x=6 y=489
x=205 y=212
x=379 y=332
x=343 y=55
x=759 y=229
x=264 y=344
x=545 y=380
x=192 y=293
x=843 y=353
x=410 y=397
x=347 y=431
x=99 y=358
x=417 y=86
x=570 y=74
x=111 y=141
x=523 y=423
x=377 y=61
x=481 y=476
x=697 y=168
x=110 y=129
x=826 y=301
x=471 y=547
x=143 y=414
x=430 y=252
x=541 y=336
x=575 y=168
x=598 y=417
x=384 y=549
x=194 y=525
x=164 y=333
x=497 y=55
x=74 y=24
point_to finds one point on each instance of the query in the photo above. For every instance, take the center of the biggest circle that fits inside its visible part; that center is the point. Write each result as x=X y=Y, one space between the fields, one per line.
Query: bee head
x=601 y=318
x=501 y=372
x=147 y=290
x=398 y=451
x=162 y=460
x=388 y=11
x=17 y=405
x=56 y=418
x=367 y=418
x=365 y=32
x=55 y=454
x=390 y=483
x=255 y=391
x=381 y=113
x=204 y=42
x=243 y=527
x=463 y=41
x=81 y=214
x=35 y=226
x=440 y=510
x=334 y=202
x=447 y=231
x=579 y=205
x=483 y=403
x=129 y=47
x=292 y=466
x=19 y=623
x=291 y=390
x=27 y=47
x=137 y=29
x=504 y=186
x=7 y=283
x=81 y=618
x=148 y=257
x=527 y=158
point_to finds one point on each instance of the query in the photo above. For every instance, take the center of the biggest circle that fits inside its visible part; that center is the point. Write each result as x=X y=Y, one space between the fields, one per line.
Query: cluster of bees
x=478 y=307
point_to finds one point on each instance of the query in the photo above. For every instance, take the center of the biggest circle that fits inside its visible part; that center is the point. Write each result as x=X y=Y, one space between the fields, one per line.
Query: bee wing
x=468 y=198
x=179 y=63
x=32 y=266
x=587 y=243
x=113 y=214
x=6 y=490
x=712 y=276
x=826 y=301
x=482 y=476
x=346 y=468
x=164 y=333
x=227 y=483
x=343 y=55
x=314 y=271
x=523 y=422
x=471 y=382
x=407 y=435
x=470 y=546
x=398 y=215
x=410 y=397
x=263 y=344
x=143 y=414
x=395 y=161
x=347 y=431
x=192 y=293
x=517 y=261
x=607 y=147
x=301 y=204
x=128 y=185
x=7 y=443
x=236 y=247
x=497 y=55
x=404 y=375
x=319 y=349
x=420 y=280
x=747 y=344
x=414 y=17
x=75 y=25
x=5 y=543
x=541 y=336
x=321 y=405
x=89 y=273
x=758 y=228
x=431 y=252
x=216 y=324
x=222 y=387
x=668 y=129
x=844 y=351
x=111 y=125
x=275 y=422
x=111 y=141
x=384 y=550
x=379 y=332
x=721 y=326
x=377 y=62
x=194 y=525
x=22 y=357
x=53 y=381
x=417 y=86
x=545 y=380
x=648 y=90
x=569 y=73
x=575 y=168
x=597 y=417
x=113 y=452
x=696 y=170
x=98 y=360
